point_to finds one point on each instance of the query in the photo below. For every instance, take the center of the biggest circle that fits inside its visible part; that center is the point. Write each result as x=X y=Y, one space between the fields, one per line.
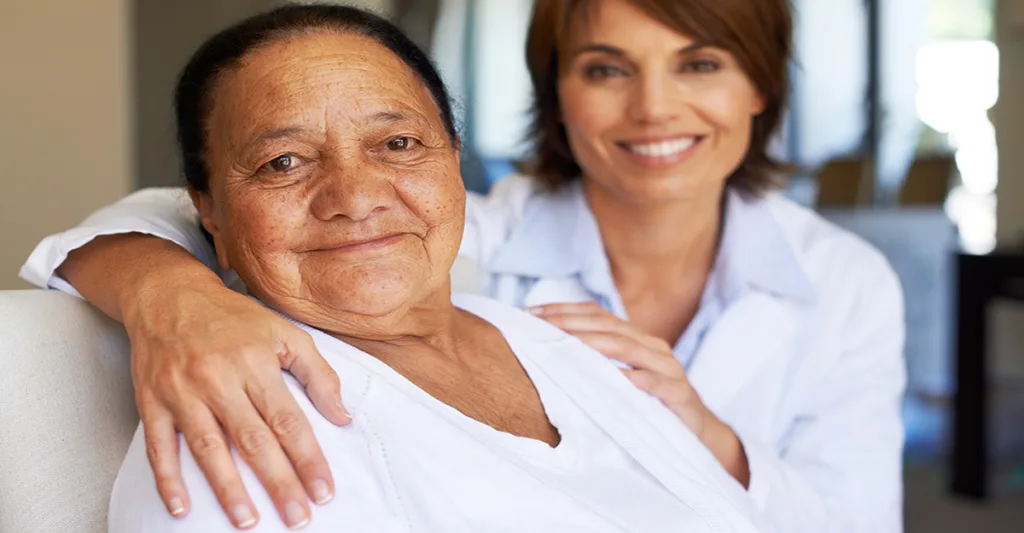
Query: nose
x=354 y=191
x=655 y=100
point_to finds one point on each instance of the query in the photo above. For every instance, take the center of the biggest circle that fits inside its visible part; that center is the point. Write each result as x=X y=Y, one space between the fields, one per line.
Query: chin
x=658 y=191
x=373 y=291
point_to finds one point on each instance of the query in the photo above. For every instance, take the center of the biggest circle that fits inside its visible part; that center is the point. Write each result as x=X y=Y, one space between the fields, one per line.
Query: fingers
x=591 y=317
x=566 y=309
x=292 y=430
x=300 y=357
x=162 y=450
x=673 y=392
x=628 y=351
x=211 y=452
x=587 y=322
x=257 y=442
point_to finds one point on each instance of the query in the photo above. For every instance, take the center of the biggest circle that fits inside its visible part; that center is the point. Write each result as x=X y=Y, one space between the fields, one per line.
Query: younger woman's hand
x=654 y=369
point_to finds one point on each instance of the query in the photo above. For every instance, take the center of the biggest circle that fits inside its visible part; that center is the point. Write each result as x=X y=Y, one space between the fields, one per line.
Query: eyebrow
x=611 y=50
x=386 y=117
x=274 y=134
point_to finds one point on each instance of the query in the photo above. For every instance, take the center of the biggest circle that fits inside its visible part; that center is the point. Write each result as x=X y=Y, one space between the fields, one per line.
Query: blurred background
x=899 y=108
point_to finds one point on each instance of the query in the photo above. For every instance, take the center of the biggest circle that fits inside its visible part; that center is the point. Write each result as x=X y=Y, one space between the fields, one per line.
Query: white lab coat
x=812 y=386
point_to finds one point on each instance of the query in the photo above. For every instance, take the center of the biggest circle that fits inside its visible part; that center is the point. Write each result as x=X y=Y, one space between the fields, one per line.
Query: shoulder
x=492 y=218
x=509 y=319
x=836 y=260
x=361 y=499
x=506 y=202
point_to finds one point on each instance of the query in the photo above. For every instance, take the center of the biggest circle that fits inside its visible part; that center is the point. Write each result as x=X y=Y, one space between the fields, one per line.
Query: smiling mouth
x=363 y=244
x=667 y=148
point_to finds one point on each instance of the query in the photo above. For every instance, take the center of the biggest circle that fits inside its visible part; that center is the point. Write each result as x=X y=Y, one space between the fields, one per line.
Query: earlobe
x=204 y=206
x=759 y=105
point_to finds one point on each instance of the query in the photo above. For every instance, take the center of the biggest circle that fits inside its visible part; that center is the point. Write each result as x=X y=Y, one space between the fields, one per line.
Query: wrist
x=159 y=285
x=727 y=448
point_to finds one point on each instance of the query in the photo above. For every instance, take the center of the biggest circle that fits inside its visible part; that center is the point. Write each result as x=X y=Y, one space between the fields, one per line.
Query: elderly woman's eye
x=400 y=143
x=282 y=163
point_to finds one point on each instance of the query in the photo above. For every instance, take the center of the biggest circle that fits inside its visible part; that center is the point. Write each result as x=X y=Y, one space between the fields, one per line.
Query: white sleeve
x=165 y=213
x=841 y=471
x=359 y=504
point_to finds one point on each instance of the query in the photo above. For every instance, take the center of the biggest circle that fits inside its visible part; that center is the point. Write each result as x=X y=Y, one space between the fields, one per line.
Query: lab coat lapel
x=751 y=334
x=649 y=433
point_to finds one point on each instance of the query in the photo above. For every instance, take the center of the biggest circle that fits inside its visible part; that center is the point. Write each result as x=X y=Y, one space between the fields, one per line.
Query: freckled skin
x=344 y=183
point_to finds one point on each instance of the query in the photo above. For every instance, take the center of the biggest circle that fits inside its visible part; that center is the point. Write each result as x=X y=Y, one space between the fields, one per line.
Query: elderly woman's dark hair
x=224 y=50
x=757 y=32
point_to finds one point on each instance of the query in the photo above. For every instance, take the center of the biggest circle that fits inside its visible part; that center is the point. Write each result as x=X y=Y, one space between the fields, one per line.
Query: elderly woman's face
x=334 y=189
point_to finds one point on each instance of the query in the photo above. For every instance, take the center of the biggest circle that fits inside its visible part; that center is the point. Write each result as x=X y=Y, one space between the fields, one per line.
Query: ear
x=759 y=105
x=204 y=204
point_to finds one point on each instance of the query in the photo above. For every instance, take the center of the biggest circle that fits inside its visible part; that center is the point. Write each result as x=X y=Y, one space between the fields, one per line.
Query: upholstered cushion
x=66 y=412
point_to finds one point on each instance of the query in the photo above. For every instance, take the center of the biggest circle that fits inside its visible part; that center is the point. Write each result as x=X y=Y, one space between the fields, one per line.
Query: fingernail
x=536 y=311
x=176 y=506
x=321 y=492
x=243 y=516
x=344 y=412
x=295 y=515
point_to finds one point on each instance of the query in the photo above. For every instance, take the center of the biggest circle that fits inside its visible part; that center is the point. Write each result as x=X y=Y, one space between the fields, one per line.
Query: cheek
x=266 y=225
x=435 y=196
x=730 y=108
x=587 y=111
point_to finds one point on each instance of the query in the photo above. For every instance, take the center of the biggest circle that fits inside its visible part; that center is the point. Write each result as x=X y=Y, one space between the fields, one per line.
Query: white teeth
x=662 y=149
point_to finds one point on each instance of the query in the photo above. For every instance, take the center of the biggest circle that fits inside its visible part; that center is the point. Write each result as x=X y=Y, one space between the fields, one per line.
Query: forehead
x=621 y=22
x=321 y=74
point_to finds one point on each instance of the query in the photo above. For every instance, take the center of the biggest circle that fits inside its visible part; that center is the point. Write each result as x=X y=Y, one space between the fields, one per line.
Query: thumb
x=320 y=380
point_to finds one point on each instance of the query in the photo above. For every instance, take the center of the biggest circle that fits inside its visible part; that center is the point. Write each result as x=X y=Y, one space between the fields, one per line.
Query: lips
x=665 y=148
x=362 y=242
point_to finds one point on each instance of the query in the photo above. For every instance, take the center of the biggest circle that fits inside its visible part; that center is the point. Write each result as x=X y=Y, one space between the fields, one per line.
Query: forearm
x=116 y=272
x=725 y=445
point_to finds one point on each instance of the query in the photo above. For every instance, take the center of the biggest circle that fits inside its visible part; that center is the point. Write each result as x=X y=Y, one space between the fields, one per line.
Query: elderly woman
x=321 y=155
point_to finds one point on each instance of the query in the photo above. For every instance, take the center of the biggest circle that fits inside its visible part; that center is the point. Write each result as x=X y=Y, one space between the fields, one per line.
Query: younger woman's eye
x=600 y=72
x=399 y=144
x=281 y=163
x=701 y=66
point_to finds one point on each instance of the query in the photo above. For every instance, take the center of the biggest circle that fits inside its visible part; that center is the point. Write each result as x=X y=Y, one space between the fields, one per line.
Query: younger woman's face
x=652 y=115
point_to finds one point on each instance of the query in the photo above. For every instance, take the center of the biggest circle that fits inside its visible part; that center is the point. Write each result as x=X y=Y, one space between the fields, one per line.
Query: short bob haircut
x=757 y=32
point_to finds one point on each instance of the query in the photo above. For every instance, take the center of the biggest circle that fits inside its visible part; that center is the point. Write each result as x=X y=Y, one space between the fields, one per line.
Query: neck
x=652 y=245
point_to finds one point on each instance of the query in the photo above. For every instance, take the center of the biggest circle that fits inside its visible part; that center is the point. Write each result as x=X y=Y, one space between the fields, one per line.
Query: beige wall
x=1009 y=120
x=64 y=124
x=1006 y=331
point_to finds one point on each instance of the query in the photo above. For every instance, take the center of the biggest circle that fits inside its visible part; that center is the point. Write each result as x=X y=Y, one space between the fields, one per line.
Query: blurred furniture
x=848 y=182
x=928 y=181
x=67 y=408
x=980 y=280
x=917 y=242
x=67 y=412
x=842 y=183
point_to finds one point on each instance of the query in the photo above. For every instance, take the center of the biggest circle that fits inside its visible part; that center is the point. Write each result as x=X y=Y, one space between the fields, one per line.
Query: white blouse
x=409 y=462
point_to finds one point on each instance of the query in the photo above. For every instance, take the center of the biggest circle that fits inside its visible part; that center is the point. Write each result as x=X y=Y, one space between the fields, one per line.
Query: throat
x=483 y=380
